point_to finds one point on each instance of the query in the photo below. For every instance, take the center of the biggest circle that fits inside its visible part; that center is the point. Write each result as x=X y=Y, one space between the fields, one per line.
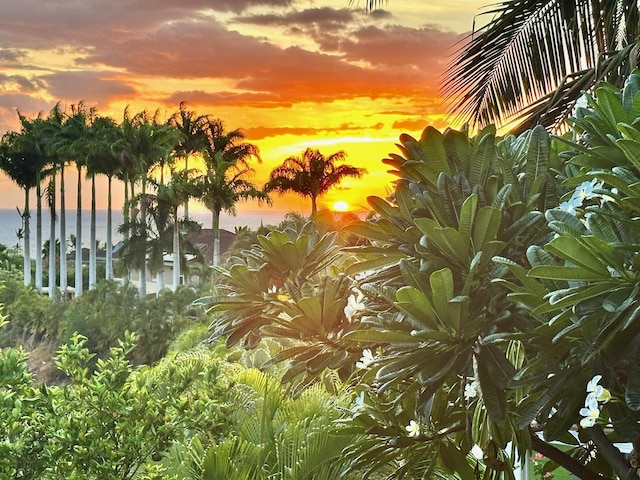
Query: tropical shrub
x=111 y=421
x=420 y=298
x=273 y=436
x=288 y=287
x=106 y=312
x=582 y=290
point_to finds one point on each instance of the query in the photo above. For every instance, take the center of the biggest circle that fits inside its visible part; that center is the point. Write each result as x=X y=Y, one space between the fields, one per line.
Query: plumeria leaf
x=572 y=250
x=558 y=272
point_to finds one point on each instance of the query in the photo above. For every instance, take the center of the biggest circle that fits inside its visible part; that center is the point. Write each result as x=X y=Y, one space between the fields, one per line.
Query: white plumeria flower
x=477 y=452
x=590 y=413
x=355 y=304
x=586 y=189
x=596 y=391
x=471 y=390
x=366 y=359
x=413 y=428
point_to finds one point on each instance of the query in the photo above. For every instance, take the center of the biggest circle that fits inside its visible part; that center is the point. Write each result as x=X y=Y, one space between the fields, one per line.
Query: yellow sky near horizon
x=291 y=74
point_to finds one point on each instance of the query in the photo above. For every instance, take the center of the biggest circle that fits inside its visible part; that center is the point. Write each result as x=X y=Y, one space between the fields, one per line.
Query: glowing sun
x=340 y=206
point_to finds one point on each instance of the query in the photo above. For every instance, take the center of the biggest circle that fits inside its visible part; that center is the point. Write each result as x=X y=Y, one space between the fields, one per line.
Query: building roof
x=203 y=240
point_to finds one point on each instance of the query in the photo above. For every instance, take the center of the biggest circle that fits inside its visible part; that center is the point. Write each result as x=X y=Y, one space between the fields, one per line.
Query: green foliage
x=287 y=287
x=274 y=436
x=582 y=286
x=426 y=302
x=111 y=421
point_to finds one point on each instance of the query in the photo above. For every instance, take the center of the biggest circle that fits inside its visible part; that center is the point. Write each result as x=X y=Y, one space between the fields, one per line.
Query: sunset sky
x=291 y=74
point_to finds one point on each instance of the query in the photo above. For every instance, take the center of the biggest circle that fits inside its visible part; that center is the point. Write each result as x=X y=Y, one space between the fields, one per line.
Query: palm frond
x=532 y=60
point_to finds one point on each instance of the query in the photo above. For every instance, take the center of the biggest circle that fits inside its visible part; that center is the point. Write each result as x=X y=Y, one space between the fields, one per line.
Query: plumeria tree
x=495 y=302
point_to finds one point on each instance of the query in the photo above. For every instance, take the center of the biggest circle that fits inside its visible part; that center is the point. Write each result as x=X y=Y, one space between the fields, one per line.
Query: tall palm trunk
x=176 y=250
x=142 y=277
x=186 y=202
x=126 y=216
x=160 y=284
x=78 y=291
x=27 y=239
x=63 y=235
x=215 y=225
x=109 y=253
x=93 y=246
x=38 y=236
x=52 y=237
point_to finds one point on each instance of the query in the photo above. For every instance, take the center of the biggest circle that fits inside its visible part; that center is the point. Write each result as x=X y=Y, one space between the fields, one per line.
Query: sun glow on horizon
x=340 y=206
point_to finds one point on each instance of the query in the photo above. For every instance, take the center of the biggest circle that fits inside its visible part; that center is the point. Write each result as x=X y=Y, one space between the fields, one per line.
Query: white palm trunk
x=160 y=281
x=78 y=276
x=27 y=240
x=215 y=224
x=109 y=253
x=52 y=241
x=38 y=238
x=92 y=246
x=63 y=235
x=176 y=252
x=142 y=276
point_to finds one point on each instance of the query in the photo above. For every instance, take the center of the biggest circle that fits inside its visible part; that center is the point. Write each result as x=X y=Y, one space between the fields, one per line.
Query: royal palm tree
x=22 y=165
x=72 y=146
x=311 y=175
x=143 y=142
x=49 y=131
x=96 y=147
x=103 y=160
x=226 y=179
x=33 y=138
x=192 y=137
x=176 y=193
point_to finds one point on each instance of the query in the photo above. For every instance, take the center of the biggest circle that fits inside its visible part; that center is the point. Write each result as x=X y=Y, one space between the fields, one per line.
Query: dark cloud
x=24 y=84
x=37 y=24
x=167 y=39
x=10 y=103
x=258 y=133
x=427 y=48
x=10 y=57
x=247 y=99
x=312 y=16
x=200 y=49
x=380 y=14
x=92 y=87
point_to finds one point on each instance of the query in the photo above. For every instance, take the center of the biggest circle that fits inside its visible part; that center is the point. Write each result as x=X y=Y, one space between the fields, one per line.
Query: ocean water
x=11 y=222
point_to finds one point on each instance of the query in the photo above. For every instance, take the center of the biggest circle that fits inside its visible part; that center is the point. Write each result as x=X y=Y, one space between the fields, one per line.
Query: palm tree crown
x=227 y=169
x=531 y=61
x=311 y=175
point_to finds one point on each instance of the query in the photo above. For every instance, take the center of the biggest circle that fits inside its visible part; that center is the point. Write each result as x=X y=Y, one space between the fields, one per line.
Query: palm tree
x=532 y=60
x=103 y=160
x=176 y=193
x=225 y=181
x=311 y=175
x=100 y=159
x=192 y=137
x=22 y=166
x=32 y=137
x=50 y=131
x=72 y=146
x=143 y=141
